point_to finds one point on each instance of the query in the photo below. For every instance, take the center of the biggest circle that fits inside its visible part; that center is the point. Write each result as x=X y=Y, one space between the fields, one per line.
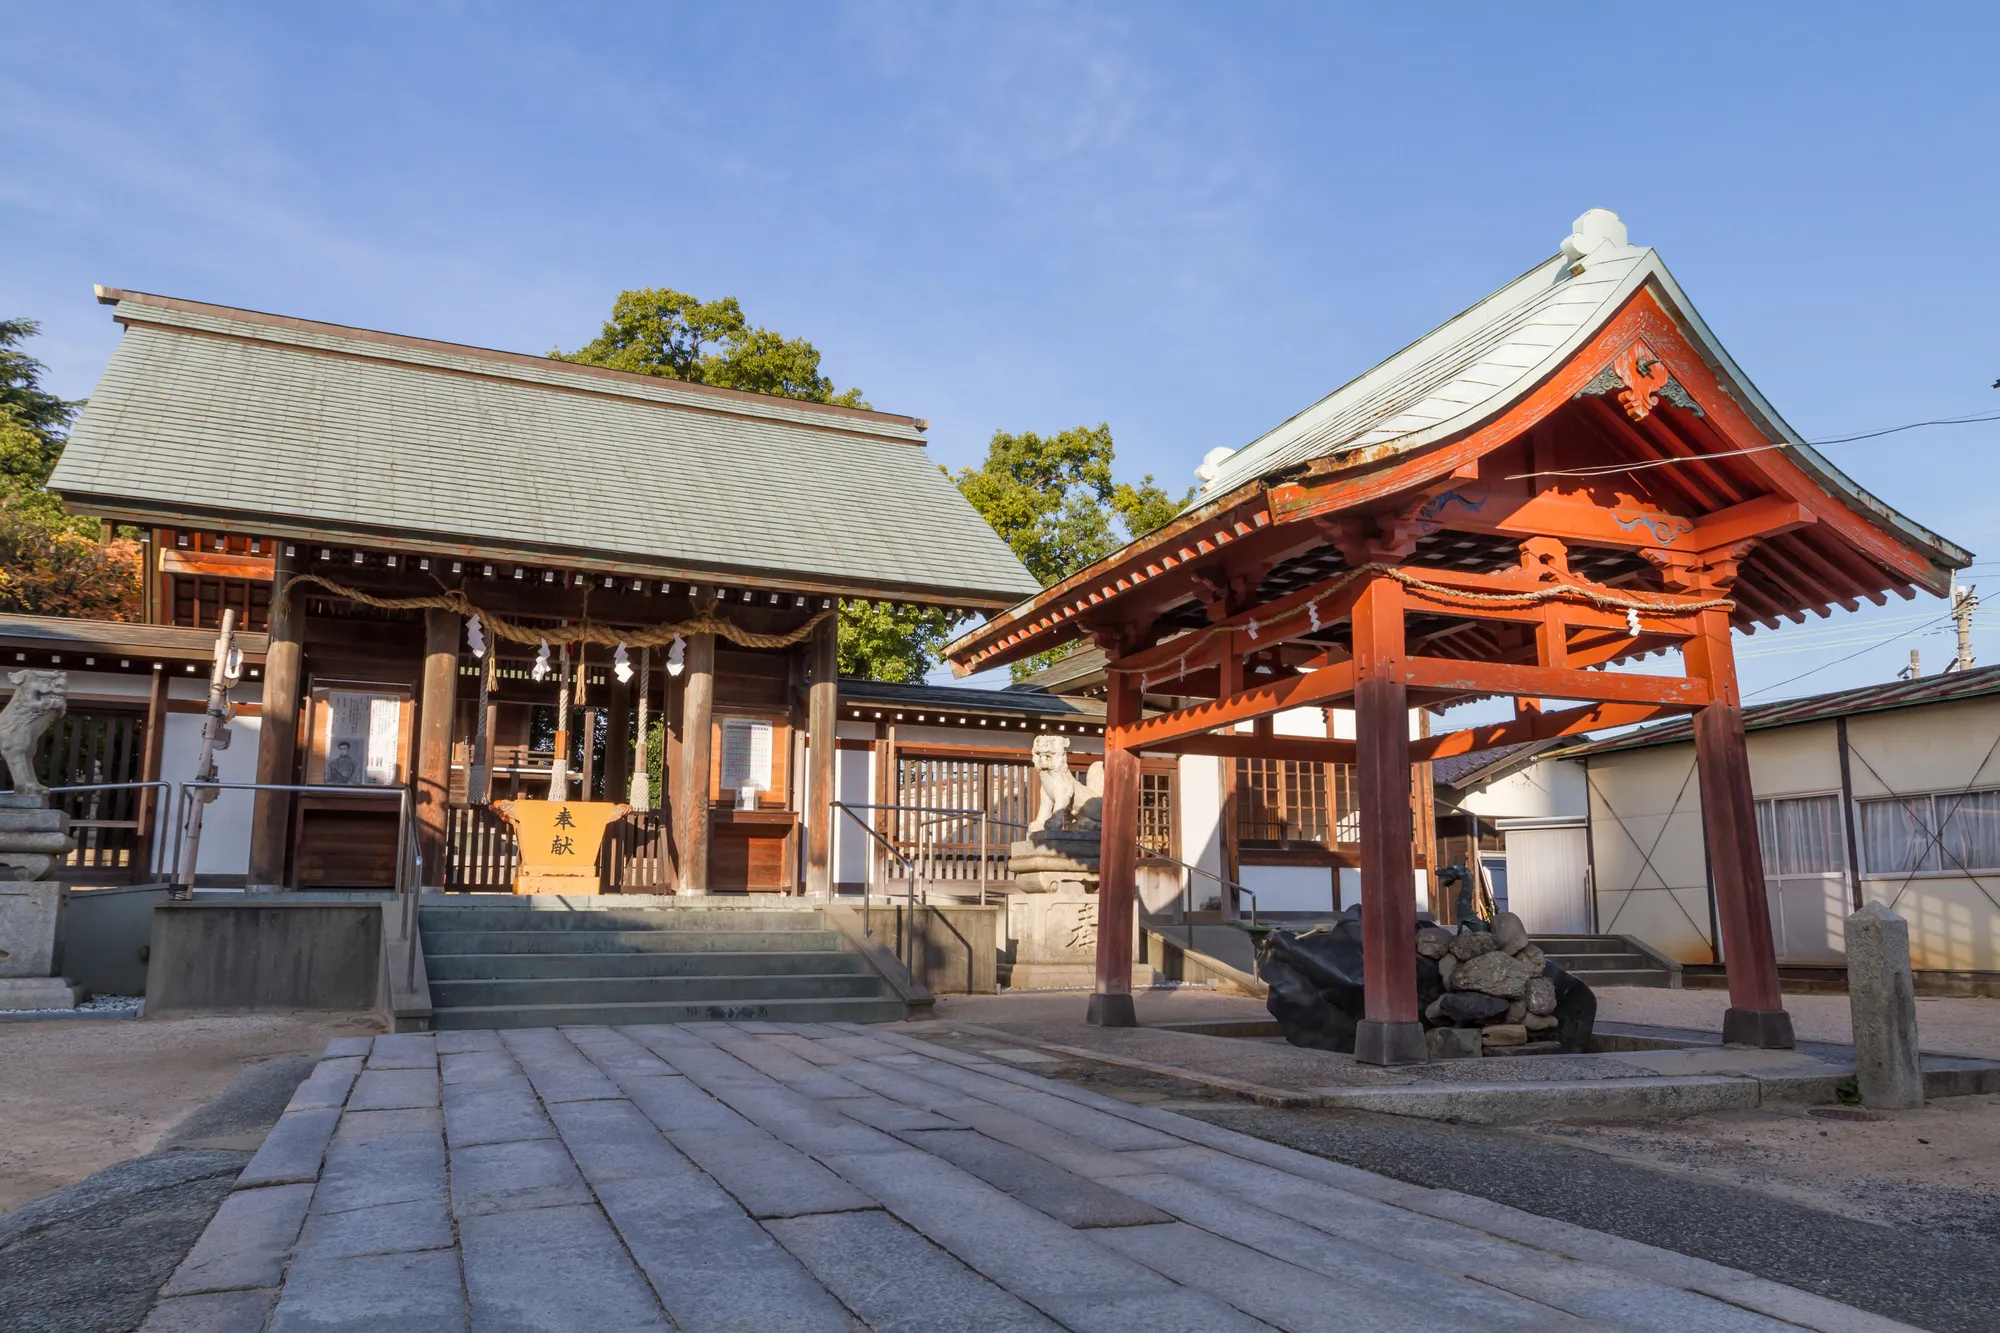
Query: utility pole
x=1964 y=601
x=222 y=673
x=1914 y=669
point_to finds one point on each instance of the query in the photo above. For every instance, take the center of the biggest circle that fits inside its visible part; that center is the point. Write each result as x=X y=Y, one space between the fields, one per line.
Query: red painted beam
x=1243 y=745
x=1441 y=673
x=1542 y=727
x=1316 y=687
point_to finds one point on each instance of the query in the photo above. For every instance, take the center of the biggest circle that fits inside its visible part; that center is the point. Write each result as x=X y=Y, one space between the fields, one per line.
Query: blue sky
x=1188 y=221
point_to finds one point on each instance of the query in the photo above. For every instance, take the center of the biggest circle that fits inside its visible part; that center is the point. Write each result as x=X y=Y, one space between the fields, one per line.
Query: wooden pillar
x=1756 y=1016
x=435 y=713
x=1117 y=863
x=617 y=740
x=822 y=707
x=1230 y=681
x=1390 y=1032
x=697 y=726
x=149 y=771
x=278 y=729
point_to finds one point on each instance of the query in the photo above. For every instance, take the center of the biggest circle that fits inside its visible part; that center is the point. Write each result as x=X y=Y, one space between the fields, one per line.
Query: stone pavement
x=756 y=1176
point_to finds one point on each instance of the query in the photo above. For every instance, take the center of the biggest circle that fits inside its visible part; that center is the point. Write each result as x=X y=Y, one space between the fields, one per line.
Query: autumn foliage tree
x=51 y=563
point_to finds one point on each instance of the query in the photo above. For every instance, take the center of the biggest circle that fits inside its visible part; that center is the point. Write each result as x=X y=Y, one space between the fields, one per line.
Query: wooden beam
x=277 y=733
x=1332 y=682
x=1507 y=678
x=822 y=703
x=1540 y=727
x=1238 y=745
x=698 y=722
x=435 y=715
x=1765 y=516
x=1111 y=1000
x=1390 y=1032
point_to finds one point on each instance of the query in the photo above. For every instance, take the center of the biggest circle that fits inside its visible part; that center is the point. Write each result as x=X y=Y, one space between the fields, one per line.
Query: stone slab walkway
x=758 y=1176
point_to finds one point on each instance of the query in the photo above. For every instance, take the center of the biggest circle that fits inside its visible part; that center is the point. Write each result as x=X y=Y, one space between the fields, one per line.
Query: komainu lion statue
x=40 y=697
x=1066 y=803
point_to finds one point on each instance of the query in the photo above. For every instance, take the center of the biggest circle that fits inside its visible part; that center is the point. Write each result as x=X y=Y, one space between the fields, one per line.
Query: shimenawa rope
x=451 y=599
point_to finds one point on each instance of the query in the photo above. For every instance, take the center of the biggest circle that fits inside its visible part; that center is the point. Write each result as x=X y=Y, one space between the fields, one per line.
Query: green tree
x=1053 y=500
x=51 y=564
x=659 y=331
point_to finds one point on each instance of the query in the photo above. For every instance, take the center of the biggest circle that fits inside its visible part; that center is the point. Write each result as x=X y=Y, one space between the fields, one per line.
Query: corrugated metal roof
x=214 y=412
x=1815 y=708
x=1480 y=362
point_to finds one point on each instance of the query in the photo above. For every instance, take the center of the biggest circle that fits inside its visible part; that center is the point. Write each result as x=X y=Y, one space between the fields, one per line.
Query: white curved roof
x=1479 y=363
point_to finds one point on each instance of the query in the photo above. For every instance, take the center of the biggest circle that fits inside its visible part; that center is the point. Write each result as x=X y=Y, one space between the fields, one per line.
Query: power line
x=1850 y=657
x=1616 y=468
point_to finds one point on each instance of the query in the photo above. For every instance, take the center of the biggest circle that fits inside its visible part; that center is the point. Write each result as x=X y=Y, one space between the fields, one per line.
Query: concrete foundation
x=238 y=955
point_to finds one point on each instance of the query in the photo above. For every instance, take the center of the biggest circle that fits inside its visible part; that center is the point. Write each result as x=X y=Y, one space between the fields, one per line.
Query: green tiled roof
x=233 y=419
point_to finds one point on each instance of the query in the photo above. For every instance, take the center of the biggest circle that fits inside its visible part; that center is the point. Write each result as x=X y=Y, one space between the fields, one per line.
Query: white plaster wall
x=854 y=783
x=1290 y=888
x=1300 y=722
x=1651 y=878
x=1545 y=789
x=1199 y=779
x=1954 y=918
x=1795 y=761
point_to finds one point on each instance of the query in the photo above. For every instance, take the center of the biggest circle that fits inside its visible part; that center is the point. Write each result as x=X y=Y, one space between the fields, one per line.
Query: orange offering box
x=559 y=842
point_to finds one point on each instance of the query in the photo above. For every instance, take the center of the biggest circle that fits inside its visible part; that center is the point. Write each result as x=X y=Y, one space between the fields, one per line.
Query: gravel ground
x=1935 y=1170
x=81 y=1094
x=1944 y=1027
x=89 y=1257
x=1935 y=1279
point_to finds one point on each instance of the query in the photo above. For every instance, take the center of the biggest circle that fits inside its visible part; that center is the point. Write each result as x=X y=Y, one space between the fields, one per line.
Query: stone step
x=627 y=941
x=1584 y=962
x=1649 y=976
x=857 y=1010
x=677 y=963
x=595 y=919
x=1575 y=944
x=542 y=992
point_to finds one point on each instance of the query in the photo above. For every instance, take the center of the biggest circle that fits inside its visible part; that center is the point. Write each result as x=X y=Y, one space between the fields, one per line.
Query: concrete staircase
x=504 y=963
x=1608 y=960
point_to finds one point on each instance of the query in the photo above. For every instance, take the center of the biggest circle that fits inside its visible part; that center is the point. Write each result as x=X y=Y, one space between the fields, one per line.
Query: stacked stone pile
x=1495 y=980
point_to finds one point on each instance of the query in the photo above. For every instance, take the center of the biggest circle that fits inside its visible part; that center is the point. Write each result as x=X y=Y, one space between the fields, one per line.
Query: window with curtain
x=1801 y=835
x=1942 y=832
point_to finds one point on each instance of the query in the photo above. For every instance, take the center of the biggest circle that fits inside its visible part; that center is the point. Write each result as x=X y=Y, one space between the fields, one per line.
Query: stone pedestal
x=29 y=914
x=31 y=838
x=1055 y=939
x=1882 y=1000
x=1051 y=860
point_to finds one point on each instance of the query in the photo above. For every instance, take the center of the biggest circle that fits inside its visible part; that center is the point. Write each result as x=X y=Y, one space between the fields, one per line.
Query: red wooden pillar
x=1117 y=863
x=1756 y=1015
x=1390 y=1033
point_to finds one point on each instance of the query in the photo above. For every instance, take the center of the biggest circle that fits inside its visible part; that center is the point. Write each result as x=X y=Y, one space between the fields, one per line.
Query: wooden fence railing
x=482 y=853
x=93 y=747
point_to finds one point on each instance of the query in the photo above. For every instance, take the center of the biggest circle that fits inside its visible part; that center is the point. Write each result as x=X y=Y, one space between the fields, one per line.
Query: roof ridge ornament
x=1590 y=233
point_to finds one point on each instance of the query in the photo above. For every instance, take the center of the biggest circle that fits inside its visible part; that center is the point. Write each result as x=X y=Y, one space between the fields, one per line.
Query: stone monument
x=1882 y=1001
x=1052 y=917
x=32 y=836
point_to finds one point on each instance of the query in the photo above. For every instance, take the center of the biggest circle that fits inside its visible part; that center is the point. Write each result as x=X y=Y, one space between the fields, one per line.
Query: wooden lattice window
x=1156 y=813
x=1288 y=801
x=200 y=601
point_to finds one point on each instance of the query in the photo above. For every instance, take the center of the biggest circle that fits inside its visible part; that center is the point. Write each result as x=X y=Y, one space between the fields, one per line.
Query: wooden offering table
x=751 y=850
x=559 y=842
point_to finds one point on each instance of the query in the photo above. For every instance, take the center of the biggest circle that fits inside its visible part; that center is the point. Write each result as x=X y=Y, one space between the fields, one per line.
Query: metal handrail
x=1187 y=889
x=140 y=824
x=402 y=795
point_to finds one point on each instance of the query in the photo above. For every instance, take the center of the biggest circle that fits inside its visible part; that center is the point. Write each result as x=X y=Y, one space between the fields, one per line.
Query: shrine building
x=454 y=569
x=1571 y=476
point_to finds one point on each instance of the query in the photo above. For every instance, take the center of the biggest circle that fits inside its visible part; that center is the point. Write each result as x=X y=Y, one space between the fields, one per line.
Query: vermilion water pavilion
x=1568 y=478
